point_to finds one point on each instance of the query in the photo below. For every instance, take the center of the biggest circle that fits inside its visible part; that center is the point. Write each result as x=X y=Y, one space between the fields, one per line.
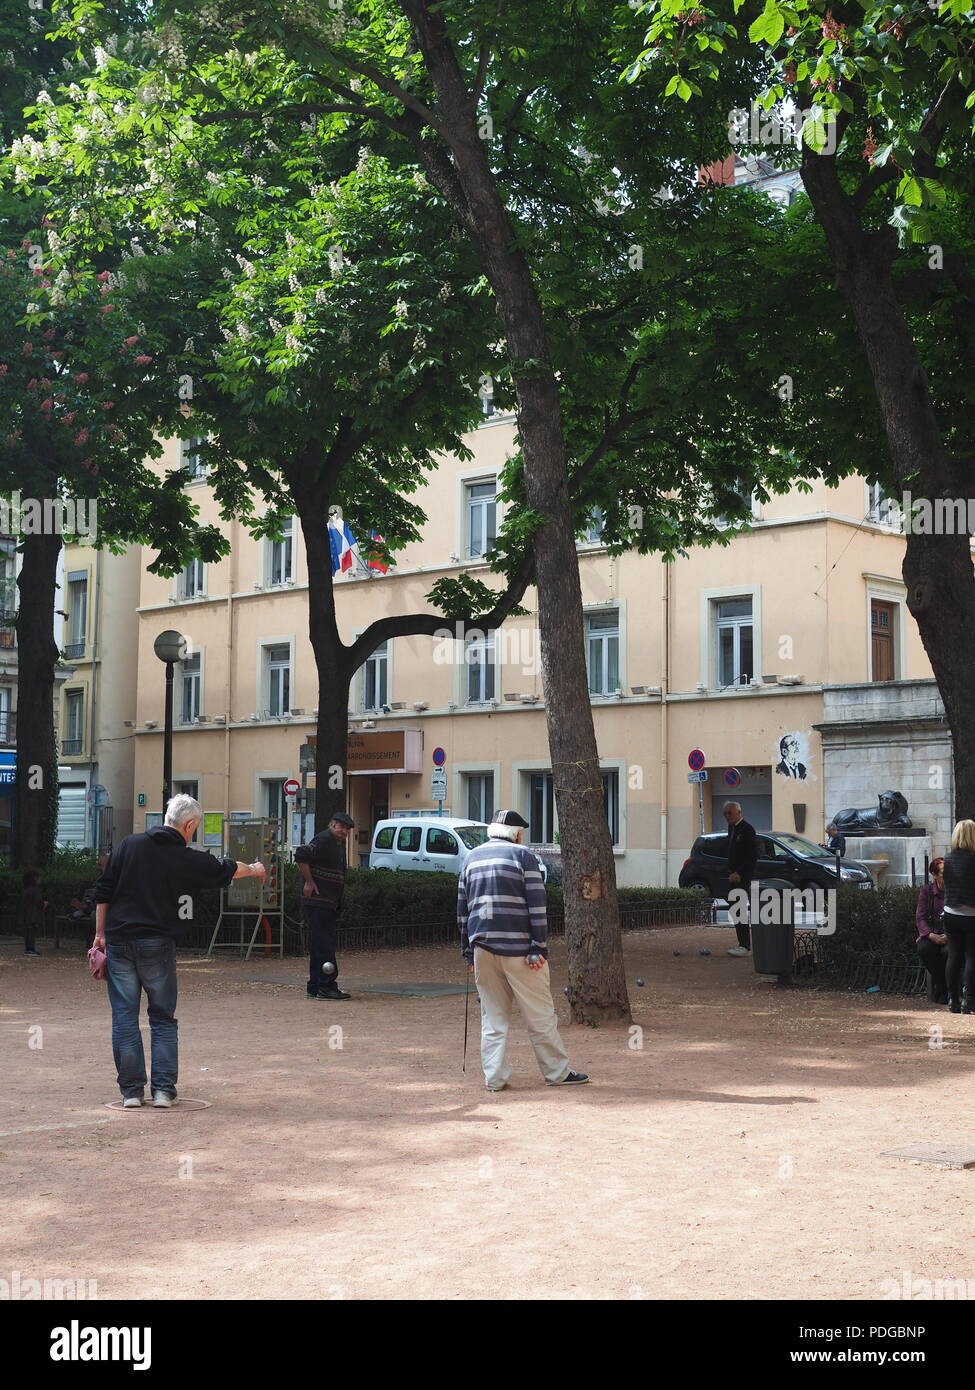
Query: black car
x=782 y=856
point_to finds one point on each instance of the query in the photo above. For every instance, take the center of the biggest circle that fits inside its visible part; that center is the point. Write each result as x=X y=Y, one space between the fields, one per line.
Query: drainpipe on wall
x=664 y=745
x=93 y=778
x=230 y=674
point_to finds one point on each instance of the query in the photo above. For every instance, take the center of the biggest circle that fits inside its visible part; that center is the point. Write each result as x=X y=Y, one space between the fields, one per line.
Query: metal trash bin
x=773 y=943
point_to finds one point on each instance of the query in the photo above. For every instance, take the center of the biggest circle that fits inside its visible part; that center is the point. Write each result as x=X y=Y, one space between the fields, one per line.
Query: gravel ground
x=730 y=1145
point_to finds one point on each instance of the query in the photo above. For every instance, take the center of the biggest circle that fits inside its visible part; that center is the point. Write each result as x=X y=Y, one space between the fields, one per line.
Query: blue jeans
x=134 y=966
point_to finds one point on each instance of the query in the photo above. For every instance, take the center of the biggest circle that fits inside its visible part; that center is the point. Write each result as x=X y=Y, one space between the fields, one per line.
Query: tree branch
x=484 y=57
x=308 y=108
x=393 y=89
x=430 y=624
x=932 y=129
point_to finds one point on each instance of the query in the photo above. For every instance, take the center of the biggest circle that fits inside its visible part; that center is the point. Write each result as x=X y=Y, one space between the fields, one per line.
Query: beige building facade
x=97 y=632
x=727 y=650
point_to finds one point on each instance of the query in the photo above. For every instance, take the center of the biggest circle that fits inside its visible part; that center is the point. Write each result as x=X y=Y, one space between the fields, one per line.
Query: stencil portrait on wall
x=793 y=756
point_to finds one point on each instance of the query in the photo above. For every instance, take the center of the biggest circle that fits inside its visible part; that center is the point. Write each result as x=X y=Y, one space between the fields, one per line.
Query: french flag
x=341 y=543
x=376 y=559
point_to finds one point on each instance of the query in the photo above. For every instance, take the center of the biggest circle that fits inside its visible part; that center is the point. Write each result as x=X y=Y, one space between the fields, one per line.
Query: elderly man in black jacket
x=742 y=854
x=143 y=898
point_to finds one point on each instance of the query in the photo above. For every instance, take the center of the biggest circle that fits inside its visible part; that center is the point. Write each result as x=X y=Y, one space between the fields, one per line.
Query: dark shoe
x=954 y=1007
x=32 y=953
x=332 y=994
x=966 y=1005
x=574 y=1078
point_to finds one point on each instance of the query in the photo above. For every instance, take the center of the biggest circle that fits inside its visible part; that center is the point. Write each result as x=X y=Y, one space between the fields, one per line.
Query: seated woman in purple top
x=932 y=943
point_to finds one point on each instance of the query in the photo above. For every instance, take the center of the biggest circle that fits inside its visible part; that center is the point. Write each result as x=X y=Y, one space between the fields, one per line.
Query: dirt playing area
x=736 y=1154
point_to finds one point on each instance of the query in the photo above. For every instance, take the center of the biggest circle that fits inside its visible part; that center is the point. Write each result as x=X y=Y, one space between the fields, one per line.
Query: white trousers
x=500 y=981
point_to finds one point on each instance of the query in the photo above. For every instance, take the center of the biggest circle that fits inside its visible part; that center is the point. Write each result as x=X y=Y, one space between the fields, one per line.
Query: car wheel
x=704 y=887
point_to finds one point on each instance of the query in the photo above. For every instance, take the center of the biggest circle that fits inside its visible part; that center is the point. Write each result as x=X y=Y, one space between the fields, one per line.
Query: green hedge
x=61 y=882
x=880 y=921
x=373 y=897
x=659 y=898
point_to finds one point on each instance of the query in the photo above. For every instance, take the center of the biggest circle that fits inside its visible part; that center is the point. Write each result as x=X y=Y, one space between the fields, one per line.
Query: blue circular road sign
x=439 y=757
x=732 y=777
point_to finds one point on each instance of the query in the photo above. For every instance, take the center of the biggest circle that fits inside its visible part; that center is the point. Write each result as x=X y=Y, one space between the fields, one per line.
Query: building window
x=189 y=457
x=603 y=652
x=542 y=820
x=479 y=797
x=482 y=518
x=748 y=504
x=77 y=615
x=278 y=680
x=273 y=798
x=189 y=786
x=479 y=656
x=375 y=679
x=6 y=718
x=74 y=713
x=733 y=624
x=541 y=816
x=191 y=580
x=883 y=617
x=8 y=577
x=881 y=507
x=279 y=565
x=593 y=534
x=611 y=803
x=189 y=707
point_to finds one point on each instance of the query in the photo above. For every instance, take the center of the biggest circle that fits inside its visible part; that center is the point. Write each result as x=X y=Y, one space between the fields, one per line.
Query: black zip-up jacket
x=742 y=851
x=960 y=878
x=149 y=882
x=325 y=856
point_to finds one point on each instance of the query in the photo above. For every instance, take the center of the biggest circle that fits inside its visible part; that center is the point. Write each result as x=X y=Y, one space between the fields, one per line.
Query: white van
x=428 y=844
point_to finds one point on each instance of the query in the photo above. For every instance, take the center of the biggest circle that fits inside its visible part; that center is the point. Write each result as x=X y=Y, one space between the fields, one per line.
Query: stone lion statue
x=889 y=813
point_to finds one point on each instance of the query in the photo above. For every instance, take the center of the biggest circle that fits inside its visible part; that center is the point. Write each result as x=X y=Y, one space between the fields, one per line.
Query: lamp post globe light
x=170 y=647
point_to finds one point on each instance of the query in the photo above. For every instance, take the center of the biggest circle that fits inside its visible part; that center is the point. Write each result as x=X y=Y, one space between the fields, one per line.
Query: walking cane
x=467 y=1002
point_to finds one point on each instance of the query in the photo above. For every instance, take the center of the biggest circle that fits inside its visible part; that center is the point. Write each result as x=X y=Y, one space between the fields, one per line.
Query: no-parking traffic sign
x=696 y=759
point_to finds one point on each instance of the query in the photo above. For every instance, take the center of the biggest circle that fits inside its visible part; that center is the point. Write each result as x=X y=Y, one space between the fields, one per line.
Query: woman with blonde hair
x=959 y=918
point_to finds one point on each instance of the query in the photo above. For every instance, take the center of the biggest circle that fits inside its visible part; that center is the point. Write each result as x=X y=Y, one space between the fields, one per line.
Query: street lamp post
x=170 y=647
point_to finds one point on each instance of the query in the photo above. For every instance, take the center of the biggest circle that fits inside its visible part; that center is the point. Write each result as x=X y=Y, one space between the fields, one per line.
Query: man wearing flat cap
x=501 y=912
x=323 y=867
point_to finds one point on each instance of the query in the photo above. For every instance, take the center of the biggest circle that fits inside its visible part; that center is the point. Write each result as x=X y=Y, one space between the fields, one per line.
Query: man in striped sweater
x=501 y=911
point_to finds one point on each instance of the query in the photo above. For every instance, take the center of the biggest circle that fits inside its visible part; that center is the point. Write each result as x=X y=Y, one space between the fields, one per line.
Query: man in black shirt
x=143 y=897
x=742 y=855
x=323 y=867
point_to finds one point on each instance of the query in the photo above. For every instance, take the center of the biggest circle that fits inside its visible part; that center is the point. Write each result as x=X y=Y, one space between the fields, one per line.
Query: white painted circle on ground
x=181 y=1104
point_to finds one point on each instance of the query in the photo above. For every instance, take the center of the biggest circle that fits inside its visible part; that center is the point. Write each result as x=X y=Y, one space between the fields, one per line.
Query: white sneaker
x=162 y=1101
x=131 y=1102
x=739 y=951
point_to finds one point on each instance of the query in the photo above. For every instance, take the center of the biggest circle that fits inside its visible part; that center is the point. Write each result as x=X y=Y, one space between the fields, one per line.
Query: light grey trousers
x=501 y=980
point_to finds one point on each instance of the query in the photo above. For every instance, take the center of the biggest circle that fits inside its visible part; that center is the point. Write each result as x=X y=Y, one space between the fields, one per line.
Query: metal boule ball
x=704 y=951
x=677 y=953
x=641 y=982
x=328 y=968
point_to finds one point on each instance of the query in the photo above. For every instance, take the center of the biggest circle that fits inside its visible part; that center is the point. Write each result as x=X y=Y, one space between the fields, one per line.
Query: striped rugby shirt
x=501 y=901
